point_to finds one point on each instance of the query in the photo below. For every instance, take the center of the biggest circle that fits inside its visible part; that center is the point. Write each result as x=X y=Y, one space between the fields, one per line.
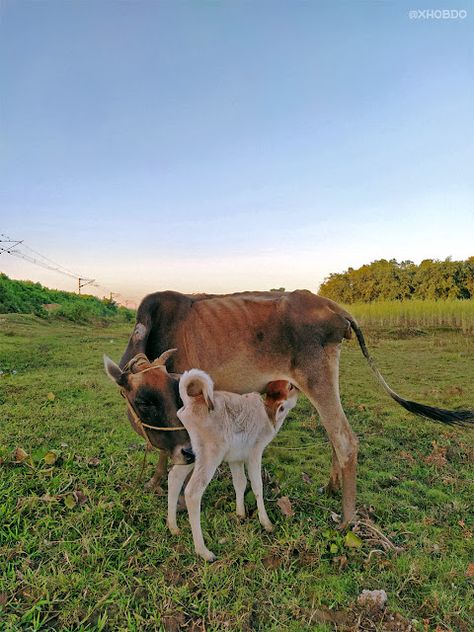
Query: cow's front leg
x=160 y=472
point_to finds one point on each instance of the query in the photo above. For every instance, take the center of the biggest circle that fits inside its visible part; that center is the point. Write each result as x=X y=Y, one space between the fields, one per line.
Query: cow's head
x=153 y=394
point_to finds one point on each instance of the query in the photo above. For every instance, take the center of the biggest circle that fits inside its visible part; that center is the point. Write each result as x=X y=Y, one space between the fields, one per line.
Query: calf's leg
x=254 y=468
x=176 y=478
x=240 y=483
x=203 y=472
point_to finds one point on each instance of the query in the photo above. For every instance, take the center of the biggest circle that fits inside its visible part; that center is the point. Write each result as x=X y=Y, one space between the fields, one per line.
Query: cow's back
x=243 y=340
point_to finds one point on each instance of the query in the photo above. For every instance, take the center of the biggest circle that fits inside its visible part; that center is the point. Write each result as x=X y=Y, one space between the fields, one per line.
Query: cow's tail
x=451 y=417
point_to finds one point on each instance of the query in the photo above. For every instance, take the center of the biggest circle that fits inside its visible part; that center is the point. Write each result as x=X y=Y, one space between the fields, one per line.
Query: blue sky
x=220 y=146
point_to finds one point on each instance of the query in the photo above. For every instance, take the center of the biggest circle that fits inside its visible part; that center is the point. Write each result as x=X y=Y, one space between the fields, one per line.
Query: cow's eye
x=144 y=404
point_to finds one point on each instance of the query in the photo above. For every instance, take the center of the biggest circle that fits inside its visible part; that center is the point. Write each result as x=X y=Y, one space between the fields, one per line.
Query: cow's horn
x=161 y=361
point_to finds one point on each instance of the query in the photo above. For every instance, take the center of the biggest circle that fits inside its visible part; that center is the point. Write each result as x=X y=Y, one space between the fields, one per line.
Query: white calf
x=225 y=427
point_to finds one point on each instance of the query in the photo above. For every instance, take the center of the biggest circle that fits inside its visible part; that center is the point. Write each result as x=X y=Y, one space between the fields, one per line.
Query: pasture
x=83 y=547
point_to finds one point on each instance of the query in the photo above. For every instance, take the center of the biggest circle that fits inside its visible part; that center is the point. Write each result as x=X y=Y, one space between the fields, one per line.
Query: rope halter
x=133 y=366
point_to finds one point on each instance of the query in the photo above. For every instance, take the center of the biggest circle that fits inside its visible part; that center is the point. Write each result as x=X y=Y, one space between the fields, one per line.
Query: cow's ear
x=112 y=369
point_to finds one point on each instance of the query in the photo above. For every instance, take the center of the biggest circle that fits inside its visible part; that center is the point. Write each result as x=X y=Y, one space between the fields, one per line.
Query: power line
x=46 y=259
x=46 y=263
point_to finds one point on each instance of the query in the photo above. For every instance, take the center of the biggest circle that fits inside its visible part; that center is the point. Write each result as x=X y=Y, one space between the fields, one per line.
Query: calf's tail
x=450 y=417
x=196 y=388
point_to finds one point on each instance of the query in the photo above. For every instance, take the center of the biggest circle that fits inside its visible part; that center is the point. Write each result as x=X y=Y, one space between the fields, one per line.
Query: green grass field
x=84 y=547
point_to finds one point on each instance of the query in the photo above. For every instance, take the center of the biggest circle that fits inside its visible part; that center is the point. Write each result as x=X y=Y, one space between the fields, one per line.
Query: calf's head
x=154 y=396
x=280 y=398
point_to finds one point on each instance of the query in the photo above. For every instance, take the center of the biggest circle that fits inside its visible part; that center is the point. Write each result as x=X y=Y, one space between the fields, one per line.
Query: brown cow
x=246 y=340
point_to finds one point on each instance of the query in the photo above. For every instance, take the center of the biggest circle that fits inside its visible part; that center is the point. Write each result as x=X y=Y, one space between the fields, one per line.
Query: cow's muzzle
x=189 y=455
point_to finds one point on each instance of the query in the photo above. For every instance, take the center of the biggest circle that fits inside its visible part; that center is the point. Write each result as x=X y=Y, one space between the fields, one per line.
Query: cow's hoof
x=174 y=530
x=154 y=487
x=331 y=489
x=268 y=527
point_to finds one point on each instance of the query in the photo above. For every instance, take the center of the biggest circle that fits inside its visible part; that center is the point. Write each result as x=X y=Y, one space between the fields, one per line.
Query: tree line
x=391 y=280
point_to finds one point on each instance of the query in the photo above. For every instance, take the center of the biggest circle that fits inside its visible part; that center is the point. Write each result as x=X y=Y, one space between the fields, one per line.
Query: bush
x=25 y=297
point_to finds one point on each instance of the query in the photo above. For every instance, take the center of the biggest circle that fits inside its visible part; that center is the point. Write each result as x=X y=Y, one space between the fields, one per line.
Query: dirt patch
x=360 y=618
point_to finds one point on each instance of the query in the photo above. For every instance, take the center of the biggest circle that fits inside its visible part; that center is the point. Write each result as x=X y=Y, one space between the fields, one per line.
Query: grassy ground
x=84 y=547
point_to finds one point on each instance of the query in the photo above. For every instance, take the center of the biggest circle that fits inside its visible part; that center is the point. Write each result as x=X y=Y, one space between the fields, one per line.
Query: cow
x=244 y=341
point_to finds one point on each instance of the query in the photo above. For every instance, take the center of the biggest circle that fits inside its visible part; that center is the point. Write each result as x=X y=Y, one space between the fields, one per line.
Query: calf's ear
x=112 y=369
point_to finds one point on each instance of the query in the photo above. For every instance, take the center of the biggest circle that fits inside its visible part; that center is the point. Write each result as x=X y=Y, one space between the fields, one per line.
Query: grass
x=83 y=547
x=451 y=313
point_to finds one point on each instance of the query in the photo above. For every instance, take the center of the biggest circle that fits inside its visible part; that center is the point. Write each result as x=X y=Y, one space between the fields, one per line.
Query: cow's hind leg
x=254 y=468
x=321 y=380
x=334 y=483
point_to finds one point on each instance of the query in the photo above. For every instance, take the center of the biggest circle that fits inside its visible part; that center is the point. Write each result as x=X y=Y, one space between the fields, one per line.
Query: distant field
x=83 y=547
x=456 y=314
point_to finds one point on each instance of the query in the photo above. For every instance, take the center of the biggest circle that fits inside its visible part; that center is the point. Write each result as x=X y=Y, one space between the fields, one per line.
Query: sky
x=219 y=146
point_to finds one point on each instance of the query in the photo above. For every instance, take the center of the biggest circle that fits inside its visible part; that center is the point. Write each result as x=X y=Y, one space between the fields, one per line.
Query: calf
x=225 y=427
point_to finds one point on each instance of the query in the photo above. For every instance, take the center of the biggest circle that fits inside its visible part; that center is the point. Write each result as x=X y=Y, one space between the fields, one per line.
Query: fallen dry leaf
x=407 y=456
x=47 y=498
x=70 y=501
x=271 y=561
x=20 y=455
x=93 y=462
x=80 y=497
x=470 y=570
x=50 y=457
x=284 y=503
x=352 y=541
x=437 y=456
x=340 y=561
x=306 y=478
x=173 y=623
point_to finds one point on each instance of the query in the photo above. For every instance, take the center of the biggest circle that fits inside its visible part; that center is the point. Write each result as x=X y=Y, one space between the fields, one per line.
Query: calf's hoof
x=268 y=526
x=207 y=555
x=174 y=530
